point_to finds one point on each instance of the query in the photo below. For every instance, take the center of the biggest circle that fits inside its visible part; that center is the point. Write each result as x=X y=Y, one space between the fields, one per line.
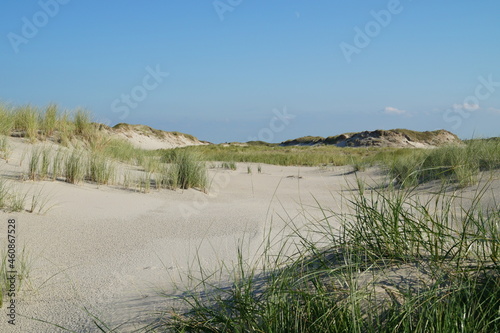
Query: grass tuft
x=26 y=121
x=49 y=122
x=75 y=167
x=5 y=149
x=100 y=169
x=186 y=171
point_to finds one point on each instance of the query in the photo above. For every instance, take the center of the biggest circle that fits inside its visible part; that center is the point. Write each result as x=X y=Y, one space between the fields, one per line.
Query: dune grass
x=12 y=199
x=406 y=167
x=6 y=120
x=49 y=120
x=100 y=170
x=34 y=162
x=26 y=120
x=57 y=164
x=83 y=124
x=302 y=156
x=45 y=155
x=36 y=123
x=185 y=170
x=4 y=194
x=17 y=200
x=124 y=151
x=341 y=279
x=5 y=149
x=65 y=129
x=75 y=167
x=460 y=164
x=228 y=165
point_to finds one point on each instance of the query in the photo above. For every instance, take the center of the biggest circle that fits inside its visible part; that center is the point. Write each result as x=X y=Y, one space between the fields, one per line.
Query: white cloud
x=394 y=111
x=494 y=110
x=466 y=106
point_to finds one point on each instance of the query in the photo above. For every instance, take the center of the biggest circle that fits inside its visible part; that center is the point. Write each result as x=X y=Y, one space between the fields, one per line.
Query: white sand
x=111 y=250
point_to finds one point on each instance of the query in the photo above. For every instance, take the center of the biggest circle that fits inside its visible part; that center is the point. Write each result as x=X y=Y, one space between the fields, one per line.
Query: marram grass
x=342 y=281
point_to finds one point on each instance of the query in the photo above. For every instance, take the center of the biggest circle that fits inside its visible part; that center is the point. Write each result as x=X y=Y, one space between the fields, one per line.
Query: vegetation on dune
x=75 y=167
x=89 y=152
x=437 y=137
x=6 y=120
x=304 y=156
x=405 y=166
x=149 y=131
x=185 y=170
x=305 y=140
x=460 y=164
x=350 y=278
x=228 y=165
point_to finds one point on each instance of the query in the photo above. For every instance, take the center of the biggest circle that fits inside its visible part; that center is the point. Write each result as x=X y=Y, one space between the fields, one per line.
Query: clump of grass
x=145 y=183
x=151 y=164
x=14 y=200
x=17 y=201
x=100 y=169
x=98 y=141
x=65 y=128
x=75 y=168
x=4 y=194
x=34 y=163
x=57 y=164
x=6 y=120
x=460 y=164
x=259 y=169
x=39 y=163
x=49 y=121
x=26 y=120
x=5 y=149
x=187 y=171
x=228 y=165
x=128 y=181
x=45 y=162
x=83 y=125
x=249 y=169
x=170 y=177
x=38 y=202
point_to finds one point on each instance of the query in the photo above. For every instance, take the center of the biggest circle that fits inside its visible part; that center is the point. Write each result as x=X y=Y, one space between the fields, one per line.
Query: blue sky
x=235 y=70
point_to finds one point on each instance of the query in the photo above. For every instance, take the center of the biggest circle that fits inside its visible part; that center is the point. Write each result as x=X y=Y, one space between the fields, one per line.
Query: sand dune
x=111 y=250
